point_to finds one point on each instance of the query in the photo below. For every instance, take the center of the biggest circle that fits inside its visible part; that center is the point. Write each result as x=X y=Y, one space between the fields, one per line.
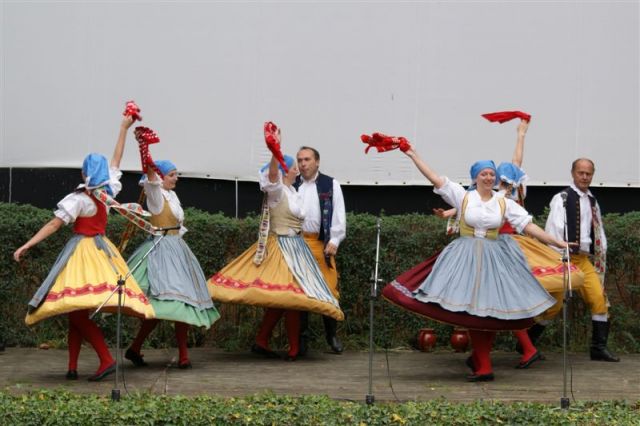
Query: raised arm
x=432 y=176
x=127 y=121
x=48 y=229
x=538 y=233
x=518 y=153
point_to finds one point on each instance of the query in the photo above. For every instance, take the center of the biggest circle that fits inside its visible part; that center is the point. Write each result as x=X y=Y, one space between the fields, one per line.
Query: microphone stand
x=115 y=392
x=566 y=298
x=370 y=398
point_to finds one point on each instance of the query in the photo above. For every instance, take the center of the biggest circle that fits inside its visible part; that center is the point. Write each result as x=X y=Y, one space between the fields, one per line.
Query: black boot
x=534 y=334
x=330 y=329
x=304 y=334
x=599 y=336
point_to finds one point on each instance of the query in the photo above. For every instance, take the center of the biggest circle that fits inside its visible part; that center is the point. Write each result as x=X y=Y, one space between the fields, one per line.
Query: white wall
x=208 y=74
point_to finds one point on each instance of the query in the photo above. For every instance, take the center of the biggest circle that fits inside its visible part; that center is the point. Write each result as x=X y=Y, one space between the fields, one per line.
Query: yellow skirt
x=546 y=265
x=86 y=281
x=270 y=284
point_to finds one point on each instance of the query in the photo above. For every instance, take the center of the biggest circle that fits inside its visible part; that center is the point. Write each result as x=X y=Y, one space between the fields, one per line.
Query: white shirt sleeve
x=114 y=180
x=69 y=208
x=338 y=218
x=451 y=192
x=555 y=220
x=516 y=215
x=74 y=205
x=155 y=200
x=273 y=189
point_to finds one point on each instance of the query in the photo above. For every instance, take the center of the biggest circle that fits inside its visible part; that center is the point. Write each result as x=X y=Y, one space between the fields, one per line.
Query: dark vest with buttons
x=324 y=186
x=573 y=218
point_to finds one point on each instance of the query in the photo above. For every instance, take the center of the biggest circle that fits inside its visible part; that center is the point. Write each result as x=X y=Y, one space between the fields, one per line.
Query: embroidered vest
x=468 y=231
x=165 y=219
x=281 y=220
x=92 y=225
x=324 y=186
x=573 y=219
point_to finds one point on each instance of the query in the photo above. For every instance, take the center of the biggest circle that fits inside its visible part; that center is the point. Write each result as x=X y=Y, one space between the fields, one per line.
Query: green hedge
x=216 y=239
x=64 y=408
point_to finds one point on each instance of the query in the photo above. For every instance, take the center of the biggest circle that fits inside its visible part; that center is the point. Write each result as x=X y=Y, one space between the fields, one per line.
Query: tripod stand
x=115 y=392
x=370 y=398
x=566 y=298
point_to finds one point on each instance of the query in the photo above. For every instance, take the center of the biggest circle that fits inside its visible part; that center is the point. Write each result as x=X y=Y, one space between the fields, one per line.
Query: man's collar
x=312 y=180
x=580 y=192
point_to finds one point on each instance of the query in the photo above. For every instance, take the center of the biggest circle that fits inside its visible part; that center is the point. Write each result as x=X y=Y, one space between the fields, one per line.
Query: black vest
x=573 y=218
x=324 y=186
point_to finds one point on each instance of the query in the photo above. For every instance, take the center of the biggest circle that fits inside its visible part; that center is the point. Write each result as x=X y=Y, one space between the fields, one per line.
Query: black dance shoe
x=184 y=365
x=480 y=377
x=104 y=373
x=135 y=358
x=526 y=364
x=72 y=375
x=259 y=350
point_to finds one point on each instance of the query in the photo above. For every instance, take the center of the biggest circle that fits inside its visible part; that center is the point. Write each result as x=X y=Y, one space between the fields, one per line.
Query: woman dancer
x=170 y=276
x=87 y=269
x=543 y=262
x=481 y=280
x=279 y=272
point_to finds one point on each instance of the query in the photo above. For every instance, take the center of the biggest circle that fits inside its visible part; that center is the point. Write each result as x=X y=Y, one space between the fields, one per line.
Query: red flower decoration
x=383 y=143
x=133 y=110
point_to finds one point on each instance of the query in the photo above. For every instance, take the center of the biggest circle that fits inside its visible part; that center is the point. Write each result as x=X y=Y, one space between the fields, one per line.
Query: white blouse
x=79 y=204
x=276 y=190
x=483 y=215
x=156 y=195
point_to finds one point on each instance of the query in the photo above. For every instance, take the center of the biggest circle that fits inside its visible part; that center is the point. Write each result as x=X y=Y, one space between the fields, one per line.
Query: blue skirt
x=485 y=278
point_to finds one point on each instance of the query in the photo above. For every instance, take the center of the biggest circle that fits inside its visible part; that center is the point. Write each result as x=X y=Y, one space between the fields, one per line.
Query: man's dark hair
x=316 y=154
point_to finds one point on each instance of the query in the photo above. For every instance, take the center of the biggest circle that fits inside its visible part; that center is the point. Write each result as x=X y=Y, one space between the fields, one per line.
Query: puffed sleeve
x=69 y=208
x=153 y=191
x=516 y=215
x=451 y=192
x=114 y=180
x=273 y=189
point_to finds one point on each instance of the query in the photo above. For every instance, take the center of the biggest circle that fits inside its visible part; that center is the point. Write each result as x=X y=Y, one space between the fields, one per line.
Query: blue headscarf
x=96 y=172
x=477 y=167
x=512 y=175
x=288 y=160
x=165 y=167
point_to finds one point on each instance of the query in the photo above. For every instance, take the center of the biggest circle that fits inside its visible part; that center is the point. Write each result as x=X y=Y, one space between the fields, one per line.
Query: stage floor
x=414 y=375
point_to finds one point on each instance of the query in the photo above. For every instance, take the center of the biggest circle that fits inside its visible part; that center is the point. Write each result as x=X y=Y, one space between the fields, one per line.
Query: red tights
x=82 y=328
x=481 y=342
x=148 y=326
x=291 y=323
x=528 y=350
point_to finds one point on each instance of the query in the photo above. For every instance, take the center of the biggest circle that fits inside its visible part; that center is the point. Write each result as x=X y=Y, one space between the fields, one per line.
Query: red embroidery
x=540 y=271
x=93 y=289
x=257 y=283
